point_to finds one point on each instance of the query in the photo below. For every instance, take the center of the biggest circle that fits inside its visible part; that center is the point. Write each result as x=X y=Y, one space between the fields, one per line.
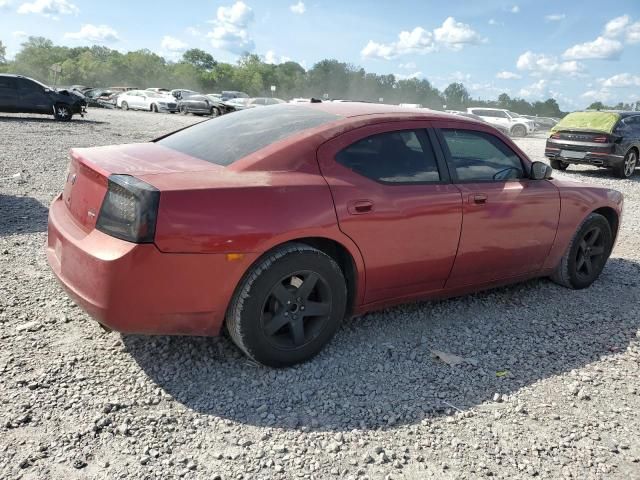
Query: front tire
x=558 y=164
x=154 y=108
x=288 y=306
x=586 y=255
x=124 y=106
x=62 y=112
x=628 y=166
x=184 y=110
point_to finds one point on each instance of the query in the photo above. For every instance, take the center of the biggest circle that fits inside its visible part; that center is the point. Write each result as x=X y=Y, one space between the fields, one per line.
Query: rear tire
x=288 y=306
x=586 y=255
x=558 y=165
x=519 y=131
x=627 y=168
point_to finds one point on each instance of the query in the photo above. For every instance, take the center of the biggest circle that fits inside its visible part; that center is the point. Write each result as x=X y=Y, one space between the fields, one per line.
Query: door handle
x=358 y=207
x=478 y=198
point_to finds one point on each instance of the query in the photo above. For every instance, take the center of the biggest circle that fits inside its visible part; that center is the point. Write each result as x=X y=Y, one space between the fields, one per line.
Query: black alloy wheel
x=288 y=306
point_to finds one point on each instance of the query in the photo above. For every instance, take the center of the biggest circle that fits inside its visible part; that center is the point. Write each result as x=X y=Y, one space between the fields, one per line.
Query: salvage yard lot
x=549 y=385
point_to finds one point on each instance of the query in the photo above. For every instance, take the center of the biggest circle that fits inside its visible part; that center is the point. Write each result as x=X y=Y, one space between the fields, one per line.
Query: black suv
x=20 y=94
x=602 y=138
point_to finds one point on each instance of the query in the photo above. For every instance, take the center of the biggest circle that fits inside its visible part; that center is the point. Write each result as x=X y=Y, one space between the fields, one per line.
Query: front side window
x=478 y=156
x=392 y=157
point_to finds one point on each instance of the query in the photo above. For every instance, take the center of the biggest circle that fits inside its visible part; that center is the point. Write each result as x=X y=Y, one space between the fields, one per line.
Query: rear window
x=223 y=140
x=594 y=121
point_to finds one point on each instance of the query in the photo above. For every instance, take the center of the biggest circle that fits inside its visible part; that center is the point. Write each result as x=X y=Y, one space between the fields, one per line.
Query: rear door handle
x=478 y=198
x=358 y=207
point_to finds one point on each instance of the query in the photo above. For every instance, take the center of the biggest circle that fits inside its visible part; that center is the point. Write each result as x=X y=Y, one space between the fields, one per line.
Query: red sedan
x=281 y=221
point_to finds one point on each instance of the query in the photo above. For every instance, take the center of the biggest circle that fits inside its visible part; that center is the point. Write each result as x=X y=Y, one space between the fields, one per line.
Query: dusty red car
x=281 y=221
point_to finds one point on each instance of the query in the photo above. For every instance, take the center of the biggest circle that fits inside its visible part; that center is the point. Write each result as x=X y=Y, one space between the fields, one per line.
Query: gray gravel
x=545 y=381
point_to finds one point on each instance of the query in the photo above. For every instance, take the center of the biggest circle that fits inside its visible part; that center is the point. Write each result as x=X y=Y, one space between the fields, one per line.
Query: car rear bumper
x=136 y=288
x=600 y=156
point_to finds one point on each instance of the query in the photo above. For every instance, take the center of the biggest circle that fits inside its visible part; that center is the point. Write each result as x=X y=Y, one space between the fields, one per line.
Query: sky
x=575 y=52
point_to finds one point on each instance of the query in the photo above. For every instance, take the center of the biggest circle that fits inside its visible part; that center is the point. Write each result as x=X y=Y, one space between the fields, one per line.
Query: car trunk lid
x=89 y=170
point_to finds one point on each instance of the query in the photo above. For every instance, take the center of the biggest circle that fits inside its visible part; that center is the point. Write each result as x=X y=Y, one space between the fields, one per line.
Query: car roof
x=488 y=108
x=357 y=109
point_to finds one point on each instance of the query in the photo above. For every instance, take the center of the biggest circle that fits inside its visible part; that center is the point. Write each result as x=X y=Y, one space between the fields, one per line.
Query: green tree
x=456 y=96
x=597 y=106
x=199 y=59
x=3 y=53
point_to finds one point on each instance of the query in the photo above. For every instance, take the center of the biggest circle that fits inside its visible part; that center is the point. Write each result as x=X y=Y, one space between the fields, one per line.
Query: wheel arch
x=346 y=255
x=612 y=218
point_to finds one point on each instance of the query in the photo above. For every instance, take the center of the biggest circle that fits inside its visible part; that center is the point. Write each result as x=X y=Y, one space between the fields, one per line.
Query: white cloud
x=601 y=47
x=602 y=95
x=622 y=80
x=536 y=90
x=271 y=58
x=492 y=21
x=541 y=64
x=94 y=33
x=616 y=26
x=633 y=33
x=298 y=8
x=402 y=76
x=49 y=8
x=194 y=32
x=230 y=28
x=19 y=34
x=555 y=17
x=507 y=75
x=420 y=41
x=173 y=44
x=515 y=9
x=5 y=4
x=455 y=34
x=408 y=66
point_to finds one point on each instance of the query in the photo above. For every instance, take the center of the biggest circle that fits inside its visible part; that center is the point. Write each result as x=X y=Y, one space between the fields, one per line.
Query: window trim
x=452 y=171
x=422 y=133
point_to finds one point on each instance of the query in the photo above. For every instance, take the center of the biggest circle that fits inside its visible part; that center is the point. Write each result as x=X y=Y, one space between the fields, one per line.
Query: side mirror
x=540 y=171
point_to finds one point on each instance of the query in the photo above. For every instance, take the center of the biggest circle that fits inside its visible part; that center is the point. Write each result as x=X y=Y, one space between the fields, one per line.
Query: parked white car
x=505 y=120
x=146 y=100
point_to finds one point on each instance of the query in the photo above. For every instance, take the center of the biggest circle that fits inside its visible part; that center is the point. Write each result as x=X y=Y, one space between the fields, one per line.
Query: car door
x=32 y=97
x=509 y=221
x=8 y=94
x=393 y=198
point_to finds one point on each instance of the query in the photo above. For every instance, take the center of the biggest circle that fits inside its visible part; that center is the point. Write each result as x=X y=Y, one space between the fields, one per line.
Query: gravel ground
x=547 y=382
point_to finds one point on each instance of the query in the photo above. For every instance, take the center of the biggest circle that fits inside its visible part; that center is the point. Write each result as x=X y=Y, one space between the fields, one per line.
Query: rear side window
x=478 y=156
x=7 y=83
x=226 y=139
x=392 y=157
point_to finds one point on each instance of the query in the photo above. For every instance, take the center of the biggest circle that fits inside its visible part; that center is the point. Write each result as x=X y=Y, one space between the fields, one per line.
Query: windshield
x=223 y=140
x=513 y=114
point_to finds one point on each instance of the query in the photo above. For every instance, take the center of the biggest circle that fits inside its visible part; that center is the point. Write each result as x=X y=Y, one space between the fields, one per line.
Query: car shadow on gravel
x=21 y=214
x=379 y=372
x=44 y=119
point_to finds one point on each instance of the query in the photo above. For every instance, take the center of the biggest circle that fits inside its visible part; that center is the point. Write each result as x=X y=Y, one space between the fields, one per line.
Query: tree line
x=100 y=66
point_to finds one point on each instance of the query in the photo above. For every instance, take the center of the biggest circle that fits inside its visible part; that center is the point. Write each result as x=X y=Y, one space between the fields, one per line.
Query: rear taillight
x=129 y=209
x=555 y=136
x=601 y=139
